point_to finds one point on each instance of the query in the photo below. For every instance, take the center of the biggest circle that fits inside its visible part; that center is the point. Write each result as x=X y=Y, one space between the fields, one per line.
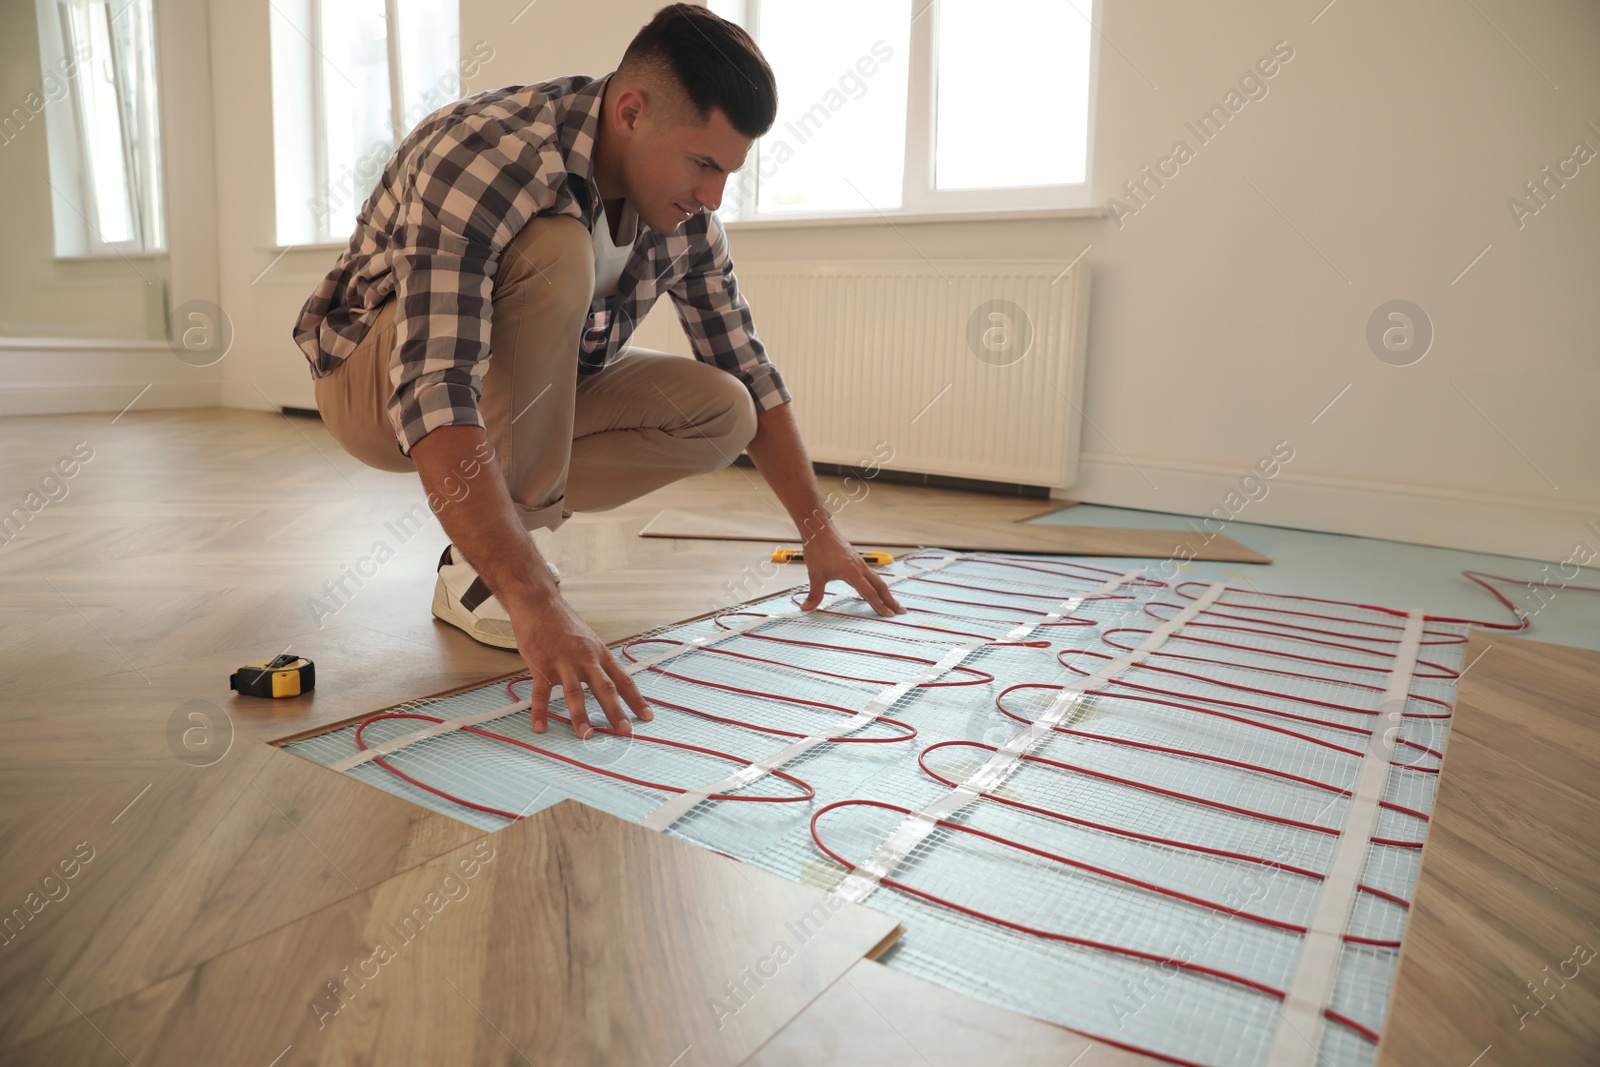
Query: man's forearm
x=468 y=494
x=780 y=455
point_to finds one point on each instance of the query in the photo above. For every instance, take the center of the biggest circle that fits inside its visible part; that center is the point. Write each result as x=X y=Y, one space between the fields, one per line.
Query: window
x=106 y=157
x=902 y=107
x=350 y=80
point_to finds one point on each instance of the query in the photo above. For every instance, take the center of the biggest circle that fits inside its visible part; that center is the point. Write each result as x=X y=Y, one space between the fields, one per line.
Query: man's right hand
x=468 y=494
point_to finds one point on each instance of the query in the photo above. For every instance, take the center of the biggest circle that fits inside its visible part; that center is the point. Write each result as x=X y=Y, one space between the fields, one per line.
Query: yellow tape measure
x=281 y=676
x=794 y=555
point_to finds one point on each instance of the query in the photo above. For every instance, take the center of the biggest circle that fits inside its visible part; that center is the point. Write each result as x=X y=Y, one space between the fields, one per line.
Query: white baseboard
x=249 y=396
x=74 y=399
x=1538 y=528
x=56 y=376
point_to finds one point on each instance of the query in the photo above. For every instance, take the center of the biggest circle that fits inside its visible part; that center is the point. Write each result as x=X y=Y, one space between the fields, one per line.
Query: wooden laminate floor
x=1503 y=940
x=147 y=828
x=159 y=855
x=539 y=943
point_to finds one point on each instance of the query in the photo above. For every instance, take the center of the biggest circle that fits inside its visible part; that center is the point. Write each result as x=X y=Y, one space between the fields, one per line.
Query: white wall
x=263 y=291
x=119 y=298
x=1387 y=147
x=1391 y=142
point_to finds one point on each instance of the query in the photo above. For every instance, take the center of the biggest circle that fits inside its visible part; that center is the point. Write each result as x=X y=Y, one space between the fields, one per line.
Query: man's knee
x=553 y=252
x=742 y=422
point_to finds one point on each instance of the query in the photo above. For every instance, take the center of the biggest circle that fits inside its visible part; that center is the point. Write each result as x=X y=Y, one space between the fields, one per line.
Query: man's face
x=674 y=172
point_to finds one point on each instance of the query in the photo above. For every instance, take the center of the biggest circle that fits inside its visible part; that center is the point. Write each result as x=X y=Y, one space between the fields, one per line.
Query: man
x=474 y=332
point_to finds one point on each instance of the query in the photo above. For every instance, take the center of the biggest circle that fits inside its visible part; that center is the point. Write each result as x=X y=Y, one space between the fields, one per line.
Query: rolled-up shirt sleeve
x=444 y=286
x=473 y=189
x=716 y=317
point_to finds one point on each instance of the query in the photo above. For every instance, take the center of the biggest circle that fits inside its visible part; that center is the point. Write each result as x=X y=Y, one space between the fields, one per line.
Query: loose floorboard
x=875 y=1015
x=1500 y=958
x=993 y=527
x=571 y=937
x=186 y=862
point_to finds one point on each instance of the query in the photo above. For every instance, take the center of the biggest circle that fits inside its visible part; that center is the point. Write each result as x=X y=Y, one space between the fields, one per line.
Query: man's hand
x=780 y=455
x=477 y=513
x=561 y=649
x=829 y=556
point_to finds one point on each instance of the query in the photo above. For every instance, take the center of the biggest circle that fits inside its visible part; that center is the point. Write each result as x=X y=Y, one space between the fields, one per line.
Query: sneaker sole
x=443 y=612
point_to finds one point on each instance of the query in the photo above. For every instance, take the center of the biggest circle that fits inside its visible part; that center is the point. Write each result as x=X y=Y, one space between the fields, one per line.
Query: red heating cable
x=1046 y=566
x=1442 y=672
x=1187 y=754
x=983 y=677
x=1106 y=636
x=1202 y=755
x=1484 y=579
x=1007 y=592
x=1279 y=634
x=1214 y=612
x=1346 y=682
x=1215 y=713
x=1136 y=835
x=1473 y=576
x=1103 y=946
x=1330 y=705
x=1014 y=608
x=910 y=731
x=380 y=761
x=992 y=642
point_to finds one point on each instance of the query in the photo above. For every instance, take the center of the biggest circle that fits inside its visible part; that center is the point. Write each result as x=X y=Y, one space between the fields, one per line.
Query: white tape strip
x=716 y=639
x=677 y=807
x=750 y=624
x=1006 y=756
x=674 y=809
x=860 y=883
x=395 y=744
x=1071 y=605
x=1297 y=1039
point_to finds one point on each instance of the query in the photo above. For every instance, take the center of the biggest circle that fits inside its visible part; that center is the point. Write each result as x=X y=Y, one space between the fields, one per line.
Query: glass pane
x=357 y=137
x=133 y=26
x=839 y=141
x=430 y=54
x=102 y=125
x=1013 y=93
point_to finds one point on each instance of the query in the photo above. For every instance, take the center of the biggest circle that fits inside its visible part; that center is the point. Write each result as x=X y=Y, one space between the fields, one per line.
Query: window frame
x=920 y=199
x=72 y=170
x=302 y=182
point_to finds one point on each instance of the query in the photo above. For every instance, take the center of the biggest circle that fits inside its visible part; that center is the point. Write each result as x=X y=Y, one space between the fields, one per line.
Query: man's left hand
x=830 y=556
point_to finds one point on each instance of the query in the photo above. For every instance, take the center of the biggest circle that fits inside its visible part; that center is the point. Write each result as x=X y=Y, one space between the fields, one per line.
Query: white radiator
x=916 y=357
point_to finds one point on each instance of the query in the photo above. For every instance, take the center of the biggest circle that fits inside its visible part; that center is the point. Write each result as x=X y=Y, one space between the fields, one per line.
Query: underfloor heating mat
x=1181 y=818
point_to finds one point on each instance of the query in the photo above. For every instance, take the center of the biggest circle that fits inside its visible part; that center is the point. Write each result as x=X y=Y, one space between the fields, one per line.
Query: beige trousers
x=563 y=443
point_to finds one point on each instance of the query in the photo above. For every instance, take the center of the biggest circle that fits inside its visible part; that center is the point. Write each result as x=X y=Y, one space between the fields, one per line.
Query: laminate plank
x=875 y=1016
x=976 y=529
x=185 y=863
x=1499 y=963
x=571 y=937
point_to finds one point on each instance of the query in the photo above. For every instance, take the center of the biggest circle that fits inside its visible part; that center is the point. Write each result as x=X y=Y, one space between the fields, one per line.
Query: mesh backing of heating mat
x=1145 y=871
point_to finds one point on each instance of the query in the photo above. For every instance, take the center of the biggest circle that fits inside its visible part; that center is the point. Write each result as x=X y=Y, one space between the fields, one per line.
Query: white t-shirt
x=609 y=256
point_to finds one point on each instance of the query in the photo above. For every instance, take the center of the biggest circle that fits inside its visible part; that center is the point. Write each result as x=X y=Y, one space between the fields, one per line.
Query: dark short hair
x=715 y=62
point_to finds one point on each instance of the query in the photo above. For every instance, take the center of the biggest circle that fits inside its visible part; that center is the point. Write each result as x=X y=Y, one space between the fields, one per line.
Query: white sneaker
x=463 y=600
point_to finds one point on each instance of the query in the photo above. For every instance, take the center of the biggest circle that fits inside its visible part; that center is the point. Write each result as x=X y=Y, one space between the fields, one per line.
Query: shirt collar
x=579 y=133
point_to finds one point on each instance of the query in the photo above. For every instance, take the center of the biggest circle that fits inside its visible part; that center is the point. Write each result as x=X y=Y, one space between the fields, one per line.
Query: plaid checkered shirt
x=457 y=190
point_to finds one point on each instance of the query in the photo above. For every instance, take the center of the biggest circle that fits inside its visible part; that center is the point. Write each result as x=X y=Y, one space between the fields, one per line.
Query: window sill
x=91 y=344
x=890 y=218
x=818 y=221
x=103 y=257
